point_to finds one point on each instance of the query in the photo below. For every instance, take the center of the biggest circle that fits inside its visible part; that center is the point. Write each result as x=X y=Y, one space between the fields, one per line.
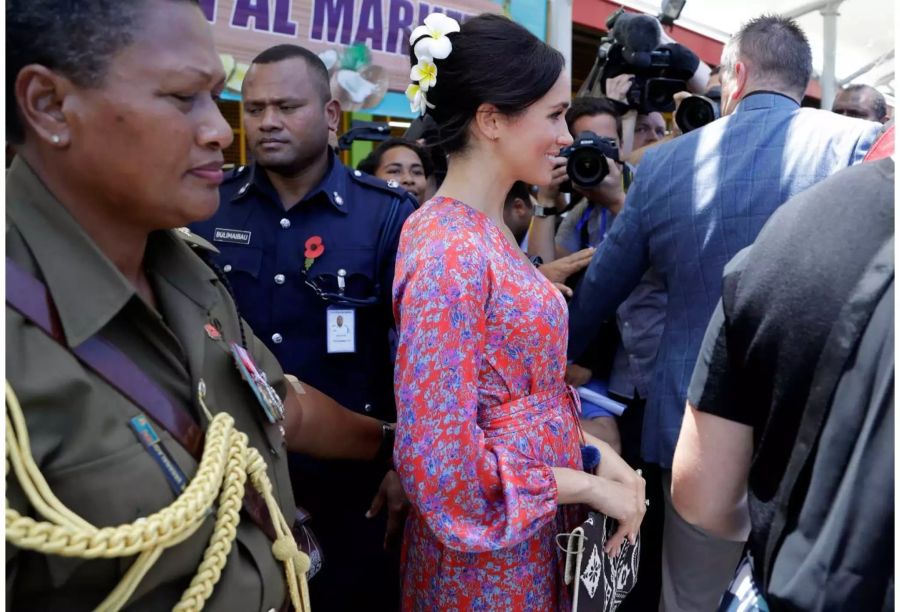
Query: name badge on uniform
x=268 y=398
x=340 y=324
x=222 y=234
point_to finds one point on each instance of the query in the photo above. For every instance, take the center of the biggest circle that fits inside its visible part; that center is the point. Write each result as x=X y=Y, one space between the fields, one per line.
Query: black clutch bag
x=599 y=582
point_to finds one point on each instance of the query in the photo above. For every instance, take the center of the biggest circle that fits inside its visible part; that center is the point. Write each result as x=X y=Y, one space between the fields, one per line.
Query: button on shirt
x=263 y=250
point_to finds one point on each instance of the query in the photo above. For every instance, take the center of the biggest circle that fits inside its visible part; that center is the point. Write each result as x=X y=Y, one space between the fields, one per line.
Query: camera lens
x=587 y=167
x=695 y=112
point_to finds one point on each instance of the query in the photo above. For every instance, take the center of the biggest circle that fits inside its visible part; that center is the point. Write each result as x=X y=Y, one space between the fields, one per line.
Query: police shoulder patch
x=195 y=241
x=236 y=172
x=389 y=187
x=367 y=180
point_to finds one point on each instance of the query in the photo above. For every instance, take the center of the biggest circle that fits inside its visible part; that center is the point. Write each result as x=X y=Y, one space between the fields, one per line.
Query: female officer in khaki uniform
x=111 y=111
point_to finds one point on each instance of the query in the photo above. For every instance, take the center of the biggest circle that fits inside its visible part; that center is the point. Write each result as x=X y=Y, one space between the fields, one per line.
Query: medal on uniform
x=268 y=398
x=212 y=331
x=314 y=249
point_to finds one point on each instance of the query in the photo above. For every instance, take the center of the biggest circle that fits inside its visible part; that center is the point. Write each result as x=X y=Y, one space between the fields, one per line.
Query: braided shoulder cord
x=226 y=463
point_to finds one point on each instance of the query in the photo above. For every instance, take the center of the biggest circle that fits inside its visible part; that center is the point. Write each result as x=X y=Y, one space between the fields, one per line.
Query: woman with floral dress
x=488 y=439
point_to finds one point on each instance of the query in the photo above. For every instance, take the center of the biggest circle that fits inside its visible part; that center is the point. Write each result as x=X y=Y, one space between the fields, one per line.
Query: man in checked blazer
x=697 y=201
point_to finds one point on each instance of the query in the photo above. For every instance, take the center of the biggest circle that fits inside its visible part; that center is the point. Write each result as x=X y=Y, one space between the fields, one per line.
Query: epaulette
x=236 y=173
x=391 y=187
x=194 y=241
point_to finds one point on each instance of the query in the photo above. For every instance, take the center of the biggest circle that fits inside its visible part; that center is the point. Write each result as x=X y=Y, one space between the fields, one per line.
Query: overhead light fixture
x=671 y=10
x=399 y=124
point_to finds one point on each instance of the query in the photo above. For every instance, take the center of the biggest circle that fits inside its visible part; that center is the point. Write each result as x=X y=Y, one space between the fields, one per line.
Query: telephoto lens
x=696 y=111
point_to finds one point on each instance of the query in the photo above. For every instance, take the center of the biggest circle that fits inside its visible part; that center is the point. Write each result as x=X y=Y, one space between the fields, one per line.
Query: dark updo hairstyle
x=494 y=61
x=76 y=39
x=371 y=162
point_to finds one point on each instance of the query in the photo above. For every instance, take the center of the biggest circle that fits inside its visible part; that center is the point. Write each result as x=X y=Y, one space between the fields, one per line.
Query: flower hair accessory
x=430 y=42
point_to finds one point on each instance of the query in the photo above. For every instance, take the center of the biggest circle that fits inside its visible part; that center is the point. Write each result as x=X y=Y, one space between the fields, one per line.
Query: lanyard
x=581 y=226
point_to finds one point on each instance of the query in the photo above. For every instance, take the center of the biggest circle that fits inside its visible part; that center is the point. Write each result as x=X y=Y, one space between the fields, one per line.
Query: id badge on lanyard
x=340 y=327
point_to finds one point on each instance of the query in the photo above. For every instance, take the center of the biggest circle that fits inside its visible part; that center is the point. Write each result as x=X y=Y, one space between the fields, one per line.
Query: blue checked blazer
x=696 y=202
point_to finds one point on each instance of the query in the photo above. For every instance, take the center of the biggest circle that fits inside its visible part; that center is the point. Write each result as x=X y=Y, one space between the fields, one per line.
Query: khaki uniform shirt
x=79 y=425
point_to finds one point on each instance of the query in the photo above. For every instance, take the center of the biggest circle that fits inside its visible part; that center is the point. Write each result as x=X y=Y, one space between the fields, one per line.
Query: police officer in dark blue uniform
x=308 y=246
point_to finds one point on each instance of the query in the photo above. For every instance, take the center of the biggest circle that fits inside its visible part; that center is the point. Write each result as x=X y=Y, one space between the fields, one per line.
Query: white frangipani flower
x=417 y=101
x=434 y=43
x=425 y=72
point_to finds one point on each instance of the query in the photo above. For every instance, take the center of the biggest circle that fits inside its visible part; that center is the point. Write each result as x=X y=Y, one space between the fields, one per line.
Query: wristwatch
x=541 y=212
x=386 y=448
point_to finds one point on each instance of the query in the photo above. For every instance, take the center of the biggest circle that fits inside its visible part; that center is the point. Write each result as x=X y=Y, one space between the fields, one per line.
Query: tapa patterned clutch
x=599 y=582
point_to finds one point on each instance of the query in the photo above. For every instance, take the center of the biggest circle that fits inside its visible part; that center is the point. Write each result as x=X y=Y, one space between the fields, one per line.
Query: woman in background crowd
x=403 y=161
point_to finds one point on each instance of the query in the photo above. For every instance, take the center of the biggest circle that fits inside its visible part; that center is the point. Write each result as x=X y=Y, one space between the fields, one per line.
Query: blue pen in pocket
x=154 y=446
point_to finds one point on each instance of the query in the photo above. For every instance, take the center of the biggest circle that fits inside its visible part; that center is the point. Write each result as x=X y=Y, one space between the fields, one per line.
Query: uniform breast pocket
x=347 y=274
x=236 y=260
x=114 y=488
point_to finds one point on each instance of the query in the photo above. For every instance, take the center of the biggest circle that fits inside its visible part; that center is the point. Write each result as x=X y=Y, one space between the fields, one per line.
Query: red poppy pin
x=314 y=249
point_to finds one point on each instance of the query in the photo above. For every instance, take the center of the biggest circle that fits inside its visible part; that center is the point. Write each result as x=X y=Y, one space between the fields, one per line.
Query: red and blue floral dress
x=483 y=415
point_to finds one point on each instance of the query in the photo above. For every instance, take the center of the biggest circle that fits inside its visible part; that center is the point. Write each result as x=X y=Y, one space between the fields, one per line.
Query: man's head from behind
x=861 y=101
x=770 y=53
x=288 y=108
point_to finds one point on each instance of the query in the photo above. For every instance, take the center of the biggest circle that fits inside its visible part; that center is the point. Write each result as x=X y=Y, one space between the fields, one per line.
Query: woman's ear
x=489 y=122
x=40 y=95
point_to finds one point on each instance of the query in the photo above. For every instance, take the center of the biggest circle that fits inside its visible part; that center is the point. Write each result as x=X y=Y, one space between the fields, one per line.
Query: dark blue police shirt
x=262 y=249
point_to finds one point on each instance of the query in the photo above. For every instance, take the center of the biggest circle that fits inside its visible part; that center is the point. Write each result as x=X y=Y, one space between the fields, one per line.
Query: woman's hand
x=613 y=468
x=623 y=502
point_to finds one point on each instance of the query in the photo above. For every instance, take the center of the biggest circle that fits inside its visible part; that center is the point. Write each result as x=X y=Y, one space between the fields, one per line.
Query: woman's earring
x=55 y=139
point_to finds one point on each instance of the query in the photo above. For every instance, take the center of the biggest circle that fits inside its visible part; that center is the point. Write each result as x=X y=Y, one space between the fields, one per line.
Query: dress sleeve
x=474 y=495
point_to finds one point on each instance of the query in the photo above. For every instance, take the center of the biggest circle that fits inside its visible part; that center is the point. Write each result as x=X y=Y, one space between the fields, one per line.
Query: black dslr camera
x=587 y=165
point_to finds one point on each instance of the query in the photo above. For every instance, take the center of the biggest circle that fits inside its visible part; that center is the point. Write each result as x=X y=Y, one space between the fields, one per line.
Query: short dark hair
x=371 y=162
x=879 y=106
x=520 y=190
x=76 y=39
x=478 y=71
x=317 y=68
x=777 y=53
x=590 y=107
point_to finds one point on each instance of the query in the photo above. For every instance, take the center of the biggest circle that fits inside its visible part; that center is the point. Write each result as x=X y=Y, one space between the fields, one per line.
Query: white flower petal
x=440 y=47
x=412 y=91
x=433 y=48
x=418 y=33
x=418 y=104
x=425 y=73
x=427 y=83
x=441 y=25
x=423 y=49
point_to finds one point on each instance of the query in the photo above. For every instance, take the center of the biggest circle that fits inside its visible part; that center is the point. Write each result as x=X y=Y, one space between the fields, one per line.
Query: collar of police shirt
x=332 y=184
